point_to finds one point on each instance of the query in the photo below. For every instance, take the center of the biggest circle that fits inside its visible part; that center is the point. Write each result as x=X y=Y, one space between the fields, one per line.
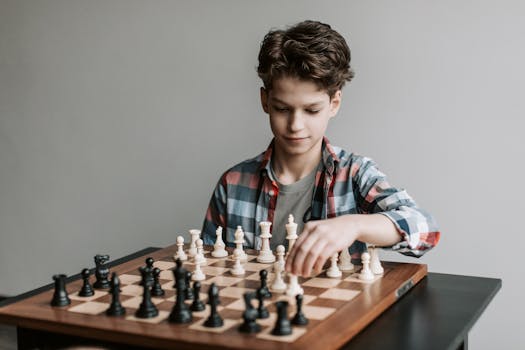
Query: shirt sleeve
x=418 y=229
x=216 y=213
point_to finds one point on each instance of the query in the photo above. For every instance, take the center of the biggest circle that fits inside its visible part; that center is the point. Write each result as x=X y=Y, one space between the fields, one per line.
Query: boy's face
x=299 y=114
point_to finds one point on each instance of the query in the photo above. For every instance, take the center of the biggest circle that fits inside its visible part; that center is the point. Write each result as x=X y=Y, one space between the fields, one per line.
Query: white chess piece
x=278 y=284
x=195 y=235
x=345 y=261
x=199 y=257
x=366 y=274
x=333 y=271
x=293 y=282
x=265 y=255
x=180 y=250
x=218 y=247
x=239 y=241
x=197 y=274
x=375 y=263
x=237 y=269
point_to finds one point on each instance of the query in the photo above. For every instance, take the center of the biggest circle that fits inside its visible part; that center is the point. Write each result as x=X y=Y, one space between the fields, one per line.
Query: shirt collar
x=329 y=157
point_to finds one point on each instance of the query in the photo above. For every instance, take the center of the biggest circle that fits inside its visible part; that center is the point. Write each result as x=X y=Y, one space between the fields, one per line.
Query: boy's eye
x=310 y=111
x=281 y=109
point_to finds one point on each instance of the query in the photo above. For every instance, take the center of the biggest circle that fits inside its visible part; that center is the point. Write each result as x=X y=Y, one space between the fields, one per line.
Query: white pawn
x=375 y=263
x=278 y=284
x=333 y=271
x=199 y=257
x=366 y=274
x=345 y=261
x=237 y=269
x=218 y=247
x=291 y=232
x=265 y=255
x=180 y=250
x=239 y=241
x=195 y=235
x=198 y=275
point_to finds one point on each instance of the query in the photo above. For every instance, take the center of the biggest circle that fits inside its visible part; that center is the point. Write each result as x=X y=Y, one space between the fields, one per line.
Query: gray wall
x=117 y=117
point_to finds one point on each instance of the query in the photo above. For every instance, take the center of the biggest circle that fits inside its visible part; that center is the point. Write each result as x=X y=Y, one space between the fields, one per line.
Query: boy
x=338 y=199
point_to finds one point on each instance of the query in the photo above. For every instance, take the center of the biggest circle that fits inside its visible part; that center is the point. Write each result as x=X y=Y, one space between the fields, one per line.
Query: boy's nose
x=296 y=121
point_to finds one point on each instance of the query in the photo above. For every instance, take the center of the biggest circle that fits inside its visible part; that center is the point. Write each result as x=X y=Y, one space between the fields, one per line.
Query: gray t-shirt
x=293 y=199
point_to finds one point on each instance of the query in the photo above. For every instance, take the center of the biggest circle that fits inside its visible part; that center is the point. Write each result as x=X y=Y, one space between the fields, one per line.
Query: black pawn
x=86 y=290
x=60 y=297
x=101 y=272
x=214 y=320
x=188 y=295
x=262 y=311
x=249 y=315
x=156 y=290
x=149 y=268
x=116 y=308
x=299 y=319
x=282 y=325
x=146 y=309
x=180 y=312
x=197 y=304
x=263 y=274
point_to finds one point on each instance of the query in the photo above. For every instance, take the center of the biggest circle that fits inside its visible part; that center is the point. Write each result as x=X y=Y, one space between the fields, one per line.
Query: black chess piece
x=214 y=320
x=262 y=311
x=101 y=272
x=282 y=325
x=149 y=267
x=263 y=274
x=249 y=315
x=156 y=289
x=116 y=308
x=86 y=290
x=299 y=318
x=180 y=312
x=188 y=295
x=197 y=304
x=60 y=297
x=146 y=309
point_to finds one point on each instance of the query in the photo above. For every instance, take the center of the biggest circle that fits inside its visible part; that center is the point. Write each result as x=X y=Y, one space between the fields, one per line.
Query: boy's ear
x=335 y=103
x=264 y=100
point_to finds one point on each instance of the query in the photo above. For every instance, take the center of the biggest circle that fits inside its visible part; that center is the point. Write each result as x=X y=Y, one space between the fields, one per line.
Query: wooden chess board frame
x=331 y=331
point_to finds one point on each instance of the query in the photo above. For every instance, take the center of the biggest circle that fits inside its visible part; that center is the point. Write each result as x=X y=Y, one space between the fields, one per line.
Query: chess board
x=337 y=308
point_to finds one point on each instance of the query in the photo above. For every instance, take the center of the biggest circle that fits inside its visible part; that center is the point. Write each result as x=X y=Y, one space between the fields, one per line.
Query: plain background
x=117 y=118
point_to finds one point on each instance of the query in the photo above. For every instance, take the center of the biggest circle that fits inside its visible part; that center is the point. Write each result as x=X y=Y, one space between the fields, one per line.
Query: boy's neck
x=291 y=168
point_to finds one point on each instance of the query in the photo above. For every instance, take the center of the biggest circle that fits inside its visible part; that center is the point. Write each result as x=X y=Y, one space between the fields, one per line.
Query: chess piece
x=265 y=254
x=239 y=241
x=282 y=325
x=375 y=263
x=101 y=272
x=188 y=294
x=218 y=247
x=278 y=284
x=180 y=312
x=180 y=254
x=195 y=235
x=291 y=235
x=299 y=319
x=237 y=269
x=115 y=308
x=86 y=290
x=249 y=315
x=333 y=271
x=345 y=261
x=146 y=309
x=366 y=274
x=199 y=257
x=262 y=311
x=263 y=275
x=60 y=297
x=214 y=320
x=197 y=304
x=149 y=271
x=156 y=289
x=198 y=275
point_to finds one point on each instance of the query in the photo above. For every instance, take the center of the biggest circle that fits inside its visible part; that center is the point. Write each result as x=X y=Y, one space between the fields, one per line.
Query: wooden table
x=436 y=314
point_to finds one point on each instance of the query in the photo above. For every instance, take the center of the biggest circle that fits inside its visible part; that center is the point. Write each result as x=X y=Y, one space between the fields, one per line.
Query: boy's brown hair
x=309 y=50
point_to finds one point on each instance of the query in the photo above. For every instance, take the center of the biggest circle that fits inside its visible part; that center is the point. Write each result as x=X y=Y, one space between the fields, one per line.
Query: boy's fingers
x=313 y=255
x=291 y=254
x=302 y=251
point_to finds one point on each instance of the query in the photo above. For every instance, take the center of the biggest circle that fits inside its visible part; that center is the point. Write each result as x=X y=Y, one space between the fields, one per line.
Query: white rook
x=265 y=255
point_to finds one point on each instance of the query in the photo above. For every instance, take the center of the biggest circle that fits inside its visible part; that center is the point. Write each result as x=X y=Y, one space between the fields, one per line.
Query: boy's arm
x=216 y=213
x=391 y=218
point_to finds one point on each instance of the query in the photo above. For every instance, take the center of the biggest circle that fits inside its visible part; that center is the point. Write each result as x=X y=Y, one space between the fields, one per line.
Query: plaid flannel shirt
x=346 y=184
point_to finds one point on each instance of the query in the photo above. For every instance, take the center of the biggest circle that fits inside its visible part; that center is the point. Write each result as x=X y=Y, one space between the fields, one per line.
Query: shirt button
x=271 y=193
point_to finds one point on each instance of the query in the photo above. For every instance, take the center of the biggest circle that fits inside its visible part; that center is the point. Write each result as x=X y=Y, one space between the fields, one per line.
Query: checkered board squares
x=322 y=297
